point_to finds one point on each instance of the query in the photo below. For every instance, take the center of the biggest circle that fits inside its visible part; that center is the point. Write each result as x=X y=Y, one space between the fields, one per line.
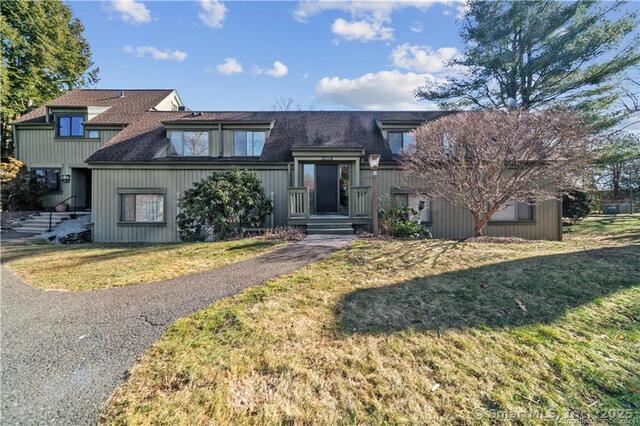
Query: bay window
x=248 y=143
x=189 y=143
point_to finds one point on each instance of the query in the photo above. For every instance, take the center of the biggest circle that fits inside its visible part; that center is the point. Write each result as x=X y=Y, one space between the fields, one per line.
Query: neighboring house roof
x=122 y=109
x=145 y=136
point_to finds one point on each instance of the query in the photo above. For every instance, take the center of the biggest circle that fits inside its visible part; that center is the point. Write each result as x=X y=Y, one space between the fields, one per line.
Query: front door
x=326 y=188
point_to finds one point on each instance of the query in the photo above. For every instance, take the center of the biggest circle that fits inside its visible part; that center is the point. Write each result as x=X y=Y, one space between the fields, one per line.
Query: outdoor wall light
x=374 y=160
x=65 y=178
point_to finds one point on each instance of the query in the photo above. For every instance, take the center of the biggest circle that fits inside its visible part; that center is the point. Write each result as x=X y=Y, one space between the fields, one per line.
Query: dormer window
x=248 y=143
x=189 y=143
x=70 y=126
x=400 y=140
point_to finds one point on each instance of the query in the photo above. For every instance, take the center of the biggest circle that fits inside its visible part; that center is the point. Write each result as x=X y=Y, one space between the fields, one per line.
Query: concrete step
x=329 y=225
x=61 y=214
x=39 y=219
x=31 y=229
x=331 y=231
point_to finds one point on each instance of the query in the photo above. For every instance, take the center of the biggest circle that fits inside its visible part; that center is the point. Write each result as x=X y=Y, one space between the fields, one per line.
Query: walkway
x=63 y=353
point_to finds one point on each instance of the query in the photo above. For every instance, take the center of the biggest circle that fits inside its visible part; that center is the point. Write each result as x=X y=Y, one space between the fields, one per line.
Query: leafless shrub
x=284 y=233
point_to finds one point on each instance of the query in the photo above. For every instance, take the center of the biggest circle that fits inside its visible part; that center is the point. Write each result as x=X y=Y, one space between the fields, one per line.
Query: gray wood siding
x=37 y=147
x=106 y=182
x=451 y=222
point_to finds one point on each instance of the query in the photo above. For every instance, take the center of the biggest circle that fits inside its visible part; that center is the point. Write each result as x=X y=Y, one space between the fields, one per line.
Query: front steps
x=329 y=228
x=39 y=223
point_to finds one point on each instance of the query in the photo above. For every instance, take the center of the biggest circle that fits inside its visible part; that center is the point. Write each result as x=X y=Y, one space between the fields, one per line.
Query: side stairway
x=328 y=227
x=39 y=223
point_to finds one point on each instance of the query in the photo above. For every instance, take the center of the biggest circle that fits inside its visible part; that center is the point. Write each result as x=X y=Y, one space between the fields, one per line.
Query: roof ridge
x=299 y=111
x=126 y=90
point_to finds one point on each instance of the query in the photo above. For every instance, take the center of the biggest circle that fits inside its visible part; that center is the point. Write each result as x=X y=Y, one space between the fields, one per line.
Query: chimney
x=122 y=93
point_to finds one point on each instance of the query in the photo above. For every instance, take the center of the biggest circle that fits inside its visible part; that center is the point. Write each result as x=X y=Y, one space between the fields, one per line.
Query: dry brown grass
x=95 y=266
x=421 y=332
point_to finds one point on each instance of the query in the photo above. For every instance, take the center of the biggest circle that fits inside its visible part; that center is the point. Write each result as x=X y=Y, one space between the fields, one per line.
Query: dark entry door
x=326 y=188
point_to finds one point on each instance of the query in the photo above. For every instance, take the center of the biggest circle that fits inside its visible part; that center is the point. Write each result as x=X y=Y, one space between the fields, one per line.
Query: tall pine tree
x=44 y=54
x=538 y=54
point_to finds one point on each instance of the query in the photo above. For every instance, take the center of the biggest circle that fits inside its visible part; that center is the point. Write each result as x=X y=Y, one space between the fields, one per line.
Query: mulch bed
x=497 y=240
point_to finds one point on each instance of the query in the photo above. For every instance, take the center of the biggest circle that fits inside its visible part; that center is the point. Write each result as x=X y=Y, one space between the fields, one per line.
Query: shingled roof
x=123 y=109
x=145 y=136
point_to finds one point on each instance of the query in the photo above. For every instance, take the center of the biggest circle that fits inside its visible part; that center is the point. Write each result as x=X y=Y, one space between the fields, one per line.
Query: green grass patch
x=95 y=266
x=408 y=332
x=624 y=227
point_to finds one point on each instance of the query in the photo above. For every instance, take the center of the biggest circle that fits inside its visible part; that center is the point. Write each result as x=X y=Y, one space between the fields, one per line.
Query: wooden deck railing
x=360 y=201
x=298 y=202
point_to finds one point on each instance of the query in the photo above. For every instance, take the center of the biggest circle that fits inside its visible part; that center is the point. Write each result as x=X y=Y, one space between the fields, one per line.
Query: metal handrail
x=73 y=215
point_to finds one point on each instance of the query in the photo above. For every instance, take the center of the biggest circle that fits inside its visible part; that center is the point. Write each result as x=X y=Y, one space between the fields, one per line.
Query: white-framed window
x=514 y=212
x=93 y=134
x=141 y=208
x=248 y=143
x=422 y=205
x=400 y=140
x=192 y=143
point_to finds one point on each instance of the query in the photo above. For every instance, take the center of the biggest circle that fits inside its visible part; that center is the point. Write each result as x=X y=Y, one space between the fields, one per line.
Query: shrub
x=576 y=205
x=9 y=169
x=222 y=205
x=395 y=220
x=23 y=192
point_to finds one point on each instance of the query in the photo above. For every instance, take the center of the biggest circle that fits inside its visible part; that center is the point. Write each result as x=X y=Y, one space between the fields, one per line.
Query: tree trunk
x=478 y=227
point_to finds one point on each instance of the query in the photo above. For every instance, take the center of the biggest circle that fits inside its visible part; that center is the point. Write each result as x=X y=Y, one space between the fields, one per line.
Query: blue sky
x=245 y=55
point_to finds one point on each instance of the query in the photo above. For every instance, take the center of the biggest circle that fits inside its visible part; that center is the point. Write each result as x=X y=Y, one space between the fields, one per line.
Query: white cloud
x=131 y=11
x=230 y=66
x=361 y=30
x=416 y=27
x=391 y=90
x=369 y=19
x=277 y=70
x=422 y=58
x=378 y=9
x=212 y=13
x=155 y=53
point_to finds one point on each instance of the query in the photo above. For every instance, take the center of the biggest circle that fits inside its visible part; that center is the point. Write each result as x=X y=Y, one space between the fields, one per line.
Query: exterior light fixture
x=374 y=161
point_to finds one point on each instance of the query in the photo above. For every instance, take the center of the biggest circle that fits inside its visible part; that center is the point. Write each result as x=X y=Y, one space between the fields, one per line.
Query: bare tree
x=481 y=161
x=286 y=104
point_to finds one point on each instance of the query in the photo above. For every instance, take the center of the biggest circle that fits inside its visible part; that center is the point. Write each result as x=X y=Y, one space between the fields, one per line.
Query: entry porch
x=326 y=195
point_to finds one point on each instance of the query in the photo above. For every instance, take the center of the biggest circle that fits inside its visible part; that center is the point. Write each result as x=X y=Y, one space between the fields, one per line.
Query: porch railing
x=298 y=201
x=360 y=201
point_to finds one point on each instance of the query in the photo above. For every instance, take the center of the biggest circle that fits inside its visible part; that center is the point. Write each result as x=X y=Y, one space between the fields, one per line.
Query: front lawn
x=95 y=266
x=425 y=332
x=611 y=227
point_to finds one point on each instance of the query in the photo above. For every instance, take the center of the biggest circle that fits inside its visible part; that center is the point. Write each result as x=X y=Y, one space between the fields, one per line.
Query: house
x=128 y=155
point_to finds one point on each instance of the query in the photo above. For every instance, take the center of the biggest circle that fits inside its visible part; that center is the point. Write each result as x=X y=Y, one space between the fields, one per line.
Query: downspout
x=14 y=136
x=221 y=138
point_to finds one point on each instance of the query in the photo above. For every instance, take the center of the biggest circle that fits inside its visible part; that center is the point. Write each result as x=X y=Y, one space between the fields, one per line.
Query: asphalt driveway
x=63 y=353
